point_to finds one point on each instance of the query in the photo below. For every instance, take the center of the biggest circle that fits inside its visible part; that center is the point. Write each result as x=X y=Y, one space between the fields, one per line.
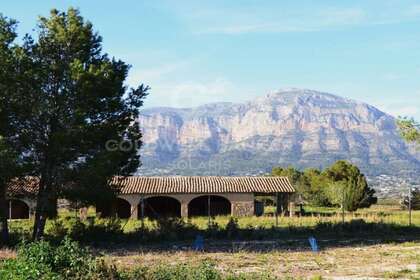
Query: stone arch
x=219 y=205
x=18 y=209
x=119 y=208
x=122 y=208
x=156 y=207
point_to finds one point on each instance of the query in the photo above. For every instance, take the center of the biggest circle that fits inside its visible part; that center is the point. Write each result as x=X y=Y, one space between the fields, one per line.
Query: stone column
x=32 y=207
x=291 y=209
x=134 y=211
x=242 y=208
x=83 y=213
x=134 y=201
x=184 y=209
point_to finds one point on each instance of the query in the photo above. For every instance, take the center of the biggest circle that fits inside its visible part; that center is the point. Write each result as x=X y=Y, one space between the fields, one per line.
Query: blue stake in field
x=314 y=244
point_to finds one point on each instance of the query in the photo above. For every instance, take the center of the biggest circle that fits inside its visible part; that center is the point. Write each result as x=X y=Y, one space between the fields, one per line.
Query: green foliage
x=295 y=176
x=340 y=181
x=350 y=184
x=232 y=228
x=317 y=194
x=415 y=200
x=69 y=110
x=336 y=193
x=409 y=129
x=41 y=260
x=102 y=230
x=9 y=166
x=205 y=271
x=44 y=261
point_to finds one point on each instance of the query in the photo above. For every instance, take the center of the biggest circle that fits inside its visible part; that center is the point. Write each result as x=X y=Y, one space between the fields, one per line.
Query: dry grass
x=7 y=254
x=379 y=261
x=388 y=214
x=286 y=258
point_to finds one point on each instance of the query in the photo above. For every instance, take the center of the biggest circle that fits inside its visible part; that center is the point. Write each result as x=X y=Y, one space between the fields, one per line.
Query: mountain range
x=291 y=127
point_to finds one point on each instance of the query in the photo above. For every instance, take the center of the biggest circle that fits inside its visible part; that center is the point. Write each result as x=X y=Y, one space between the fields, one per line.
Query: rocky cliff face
x=303 y=128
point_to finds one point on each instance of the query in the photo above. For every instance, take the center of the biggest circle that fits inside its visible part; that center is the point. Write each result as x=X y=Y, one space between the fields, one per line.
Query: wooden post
x=277 y=209
x=409 y=205
x=208 y=209
x=142 y=212
x=10 y=209
x=342 y=206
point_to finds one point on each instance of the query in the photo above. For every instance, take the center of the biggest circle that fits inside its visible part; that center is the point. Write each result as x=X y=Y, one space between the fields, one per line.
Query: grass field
x=374 y=242
x=393 y=260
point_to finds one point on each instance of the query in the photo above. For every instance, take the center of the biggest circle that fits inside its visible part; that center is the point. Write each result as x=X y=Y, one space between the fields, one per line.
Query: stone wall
x=242 y=204
x=244 y=208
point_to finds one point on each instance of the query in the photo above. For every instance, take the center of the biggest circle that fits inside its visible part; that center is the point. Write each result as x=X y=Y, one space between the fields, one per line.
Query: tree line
x=341 y=184
x=62 y=100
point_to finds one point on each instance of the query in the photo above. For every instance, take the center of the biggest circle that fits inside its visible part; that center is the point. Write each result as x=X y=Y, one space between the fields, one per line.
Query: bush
x=57 y=229
x=104 y=230
x=42 y=260
x=204 y=271
x=232 y=228
x=173 y=229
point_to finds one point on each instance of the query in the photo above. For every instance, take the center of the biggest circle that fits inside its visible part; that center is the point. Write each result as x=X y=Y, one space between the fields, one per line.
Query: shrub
x=20 y=270
x=232 y=228
x=57 y=229
x=42 y=260
x=77 y=229
x=204 y=271
x=174 y=229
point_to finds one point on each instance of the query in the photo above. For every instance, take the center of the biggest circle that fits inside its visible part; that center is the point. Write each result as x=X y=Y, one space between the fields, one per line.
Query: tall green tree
x=341 y=184
x=352 y=186
x=296 y=177
x=10 y=168
x=8 y=159
x=318 y=192
x=72 y=117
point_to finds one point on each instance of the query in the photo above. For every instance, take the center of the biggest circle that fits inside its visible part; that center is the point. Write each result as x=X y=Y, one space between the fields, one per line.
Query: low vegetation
x=243 y=248
x=67 y=260
x=379 y=222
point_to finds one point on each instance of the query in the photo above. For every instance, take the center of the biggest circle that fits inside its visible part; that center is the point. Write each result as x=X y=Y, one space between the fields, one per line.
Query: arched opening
x=104 y=210
x=119 y=208
x=157 y=207
x=18 y=209
x=123 y=208
x=219 y=205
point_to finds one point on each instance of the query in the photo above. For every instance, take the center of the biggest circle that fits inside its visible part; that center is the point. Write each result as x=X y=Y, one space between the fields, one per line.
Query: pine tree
x=72 y=118
x=8 y=159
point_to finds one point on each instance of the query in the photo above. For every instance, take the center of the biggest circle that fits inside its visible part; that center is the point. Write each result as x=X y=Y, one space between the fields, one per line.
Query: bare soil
x=378 y=261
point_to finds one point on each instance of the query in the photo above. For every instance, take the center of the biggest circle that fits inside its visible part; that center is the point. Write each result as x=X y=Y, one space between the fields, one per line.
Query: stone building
x=21 y=198
x=178 y=196
x=184 y=196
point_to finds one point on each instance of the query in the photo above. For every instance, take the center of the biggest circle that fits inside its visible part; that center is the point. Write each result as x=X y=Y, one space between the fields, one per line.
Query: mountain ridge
x=299 y=127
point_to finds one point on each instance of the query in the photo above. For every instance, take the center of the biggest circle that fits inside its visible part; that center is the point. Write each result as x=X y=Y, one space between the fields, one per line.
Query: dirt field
x=354 y=262
x=339 y=258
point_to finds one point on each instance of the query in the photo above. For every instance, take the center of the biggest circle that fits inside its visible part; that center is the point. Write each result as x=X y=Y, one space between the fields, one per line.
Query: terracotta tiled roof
x=176 y=184
x=199 y=184
x=23 y=186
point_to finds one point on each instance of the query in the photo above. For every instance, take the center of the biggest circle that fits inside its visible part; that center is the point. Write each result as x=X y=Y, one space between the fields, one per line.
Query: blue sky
x=194 y=52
